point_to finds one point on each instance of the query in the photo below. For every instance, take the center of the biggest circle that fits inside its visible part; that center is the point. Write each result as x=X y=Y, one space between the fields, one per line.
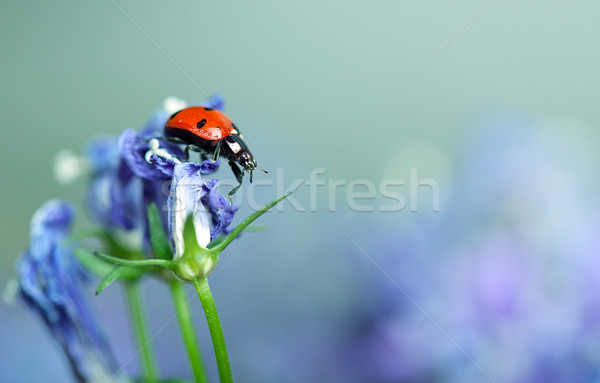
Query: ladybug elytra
x=208 y=130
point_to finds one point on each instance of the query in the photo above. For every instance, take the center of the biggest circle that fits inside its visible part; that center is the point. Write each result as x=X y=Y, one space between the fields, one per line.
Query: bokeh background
x=497 y=102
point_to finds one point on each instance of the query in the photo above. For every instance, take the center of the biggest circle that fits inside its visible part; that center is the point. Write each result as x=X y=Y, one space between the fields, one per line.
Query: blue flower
x=141 y=168
x=52 y=283
x=192 y=195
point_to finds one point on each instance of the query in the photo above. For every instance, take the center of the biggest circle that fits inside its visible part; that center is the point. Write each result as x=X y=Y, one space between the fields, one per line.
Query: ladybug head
x=248 y=162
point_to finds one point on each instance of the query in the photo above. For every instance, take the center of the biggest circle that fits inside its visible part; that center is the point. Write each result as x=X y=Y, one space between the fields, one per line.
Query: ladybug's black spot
x=174 y=114
x=201 y=123
x=208 y=109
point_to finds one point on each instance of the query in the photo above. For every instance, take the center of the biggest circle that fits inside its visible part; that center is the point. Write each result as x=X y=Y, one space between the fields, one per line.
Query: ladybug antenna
x=266 y=172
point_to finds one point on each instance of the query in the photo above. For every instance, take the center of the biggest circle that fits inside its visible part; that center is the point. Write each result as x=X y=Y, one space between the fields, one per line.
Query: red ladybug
x=207 y=130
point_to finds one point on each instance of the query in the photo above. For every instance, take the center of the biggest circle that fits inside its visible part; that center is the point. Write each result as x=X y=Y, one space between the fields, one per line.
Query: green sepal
x=215 y=242
x=127 y=272
x=221 y=245
x=134 y=262
x=196 y=261
x=92 y=263
x=158 y=237
x=190 y=242
x=256 y=228
x=253 y=228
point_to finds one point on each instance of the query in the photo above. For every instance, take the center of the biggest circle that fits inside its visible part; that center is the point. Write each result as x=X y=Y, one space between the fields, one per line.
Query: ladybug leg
x=171 y=139
x=239 y=176
x=175 y=140
x=232 y=192
x=192 y=148
x=217 y=151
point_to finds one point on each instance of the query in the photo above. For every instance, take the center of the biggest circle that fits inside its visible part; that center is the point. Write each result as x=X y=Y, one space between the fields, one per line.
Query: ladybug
x=208 y=130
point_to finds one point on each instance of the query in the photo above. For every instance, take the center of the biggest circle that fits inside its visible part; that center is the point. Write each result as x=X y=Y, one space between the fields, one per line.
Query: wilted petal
x=51 y=283
x=219 y=207
x=185 y=199
x=133 y=151
x=166 y=166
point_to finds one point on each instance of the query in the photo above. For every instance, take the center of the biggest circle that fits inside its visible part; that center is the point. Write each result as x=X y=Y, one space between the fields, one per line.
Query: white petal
x=68 y=166
x=174 y=104
x=184 y=200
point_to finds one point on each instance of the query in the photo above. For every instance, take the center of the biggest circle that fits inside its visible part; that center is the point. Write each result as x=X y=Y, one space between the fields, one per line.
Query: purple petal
x=221 y=211
x=133 y=150
x=165 y=166
x=209 y=166
x=102 y=153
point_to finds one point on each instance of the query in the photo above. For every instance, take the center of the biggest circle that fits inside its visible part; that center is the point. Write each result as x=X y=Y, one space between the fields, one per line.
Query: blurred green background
x=301 y=79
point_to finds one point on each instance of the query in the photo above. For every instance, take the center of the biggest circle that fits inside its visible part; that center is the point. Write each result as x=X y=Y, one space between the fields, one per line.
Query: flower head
x=190 y=195
x=51 y=282
x=141 y=169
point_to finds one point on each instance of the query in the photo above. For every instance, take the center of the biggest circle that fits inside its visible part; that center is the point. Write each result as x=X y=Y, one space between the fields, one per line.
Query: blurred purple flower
x=108 y=195
x=507 y=272
x=52 y=284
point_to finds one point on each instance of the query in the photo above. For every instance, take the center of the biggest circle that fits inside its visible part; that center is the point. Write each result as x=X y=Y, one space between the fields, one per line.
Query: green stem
x=134 y=301
x=216 y=331
x=184 y=316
